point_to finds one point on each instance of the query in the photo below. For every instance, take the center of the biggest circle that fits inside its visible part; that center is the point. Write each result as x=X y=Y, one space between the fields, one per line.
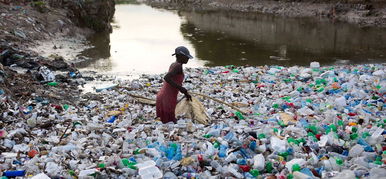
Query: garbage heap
x=296 y=122
x=27 y=78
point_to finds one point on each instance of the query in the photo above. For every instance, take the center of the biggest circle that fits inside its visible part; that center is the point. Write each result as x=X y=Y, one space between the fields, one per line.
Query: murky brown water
x=144 y=38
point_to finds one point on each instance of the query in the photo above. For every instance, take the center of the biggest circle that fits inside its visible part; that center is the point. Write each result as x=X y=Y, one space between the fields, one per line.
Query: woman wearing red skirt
x=167 y=96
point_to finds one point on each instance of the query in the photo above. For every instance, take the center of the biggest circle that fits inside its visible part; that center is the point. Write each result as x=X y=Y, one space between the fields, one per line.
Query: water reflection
x=249 y=38
x=99 y=55
x=143 y=40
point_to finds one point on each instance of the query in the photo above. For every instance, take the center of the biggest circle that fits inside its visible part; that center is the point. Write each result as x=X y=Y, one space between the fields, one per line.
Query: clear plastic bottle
x=259 y=162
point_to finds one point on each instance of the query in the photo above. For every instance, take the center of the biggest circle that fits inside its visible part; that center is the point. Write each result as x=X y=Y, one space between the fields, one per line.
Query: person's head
x=182 y=54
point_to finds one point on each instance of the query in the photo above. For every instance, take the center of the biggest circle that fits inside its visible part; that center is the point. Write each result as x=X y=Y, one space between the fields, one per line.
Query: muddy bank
x=369 y=13
x=25 y=26
x=61 y=24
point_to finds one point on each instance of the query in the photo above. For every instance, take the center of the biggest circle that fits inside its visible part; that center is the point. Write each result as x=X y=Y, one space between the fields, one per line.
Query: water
x=143 y=41
x=144 y=38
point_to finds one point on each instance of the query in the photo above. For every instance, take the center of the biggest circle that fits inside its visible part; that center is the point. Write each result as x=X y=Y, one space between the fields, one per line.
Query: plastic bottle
x=216 y=166
x=376 y=137
x=259 y=162
x=377 y=173
x=210 y=149
x=222 y=152
x=345 y=174
x=254 y=172
x=190 y=175
x=231 y=157
x=169 y=175
x=366 y=146
x=40 y=176
x=297 y=162
x=215 y=132
x=112 y=119
x=278 y=145
x=148 y=169
x=86 y=173
x=268 y=167
x=53 y=84
x=314 y=65
x=234 y=172
x=17 y=173
x=356 y=150
x=239 y=115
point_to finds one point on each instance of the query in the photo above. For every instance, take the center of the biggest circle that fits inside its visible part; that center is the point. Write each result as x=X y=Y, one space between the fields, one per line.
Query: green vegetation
x=40 y=6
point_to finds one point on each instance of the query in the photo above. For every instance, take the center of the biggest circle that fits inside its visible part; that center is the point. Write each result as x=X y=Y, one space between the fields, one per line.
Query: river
x=144 y=38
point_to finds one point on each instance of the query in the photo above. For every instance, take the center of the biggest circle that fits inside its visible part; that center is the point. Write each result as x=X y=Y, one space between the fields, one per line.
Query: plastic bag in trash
x=46 y=73
x=193 y=110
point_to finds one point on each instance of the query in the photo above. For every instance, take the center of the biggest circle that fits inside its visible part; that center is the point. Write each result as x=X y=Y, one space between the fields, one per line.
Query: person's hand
x=184 y=91
x=188 y=97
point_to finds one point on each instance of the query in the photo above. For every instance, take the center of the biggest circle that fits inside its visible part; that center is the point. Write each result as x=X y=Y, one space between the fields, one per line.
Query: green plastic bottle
x=70 y=172
x=339 y=161
x=301 y=140
x=290 y=176
x=275 y=130
x=313 y=129
x=207 y=136
x=261 y=136
x=284 y=154
x=292 y=140
x=66 y=106
x=296 y=167
x=125 y=162
x=239 y=115
x=268 y=167
x=333 y=127
x=53 y=84
x=354 y=129
x=216 y=145
x=281 y=123
x=129 y=164
x=365 y=135
x=136 y=151
x=102 y=165
x=353 y=136
x=254 y=172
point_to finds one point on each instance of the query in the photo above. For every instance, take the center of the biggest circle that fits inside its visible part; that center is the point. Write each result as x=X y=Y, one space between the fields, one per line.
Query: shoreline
x=360 y=14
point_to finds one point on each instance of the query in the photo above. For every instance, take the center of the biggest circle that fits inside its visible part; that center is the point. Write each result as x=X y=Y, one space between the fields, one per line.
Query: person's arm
x=168 y=78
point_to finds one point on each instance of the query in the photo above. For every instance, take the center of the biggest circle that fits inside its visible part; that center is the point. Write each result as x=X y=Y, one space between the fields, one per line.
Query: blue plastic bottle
x=223 y=151
x=112 y=119
x=17 y=173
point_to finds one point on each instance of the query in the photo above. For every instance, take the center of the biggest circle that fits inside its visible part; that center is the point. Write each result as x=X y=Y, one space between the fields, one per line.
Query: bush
x=40 y=6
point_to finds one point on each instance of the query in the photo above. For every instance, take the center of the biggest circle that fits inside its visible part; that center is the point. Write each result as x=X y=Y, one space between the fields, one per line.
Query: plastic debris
x=294 y=122
x=47 y=74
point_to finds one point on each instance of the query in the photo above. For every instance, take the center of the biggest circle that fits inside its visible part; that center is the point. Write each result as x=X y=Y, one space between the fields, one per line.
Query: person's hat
x=183 y=51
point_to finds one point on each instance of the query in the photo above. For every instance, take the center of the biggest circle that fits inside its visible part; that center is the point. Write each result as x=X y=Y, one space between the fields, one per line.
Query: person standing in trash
x=167 y=96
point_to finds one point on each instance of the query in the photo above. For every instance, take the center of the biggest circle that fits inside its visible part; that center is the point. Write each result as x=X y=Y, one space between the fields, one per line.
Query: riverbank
x=28 y=29
x=372 y=13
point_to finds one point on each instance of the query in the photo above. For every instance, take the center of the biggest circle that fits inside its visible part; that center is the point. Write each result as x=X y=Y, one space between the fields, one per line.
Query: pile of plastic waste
x=299 y=122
